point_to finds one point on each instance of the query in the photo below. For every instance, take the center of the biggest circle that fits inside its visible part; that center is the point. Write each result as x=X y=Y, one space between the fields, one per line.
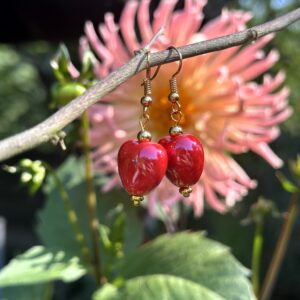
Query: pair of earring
x=142 y=164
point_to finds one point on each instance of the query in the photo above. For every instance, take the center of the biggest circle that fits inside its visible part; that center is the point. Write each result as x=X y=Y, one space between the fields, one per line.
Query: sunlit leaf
x=39 y=265
x=158 y=286
x=60 y=64
x=193 y=257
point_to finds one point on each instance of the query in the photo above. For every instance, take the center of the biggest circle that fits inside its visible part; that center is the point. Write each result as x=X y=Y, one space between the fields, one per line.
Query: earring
x=185 y=151
x=142 y=164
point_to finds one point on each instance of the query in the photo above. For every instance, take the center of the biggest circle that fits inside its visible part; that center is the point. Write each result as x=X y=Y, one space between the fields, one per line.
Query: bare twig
x=58 y=138
x=160 y=32
x=44 y=131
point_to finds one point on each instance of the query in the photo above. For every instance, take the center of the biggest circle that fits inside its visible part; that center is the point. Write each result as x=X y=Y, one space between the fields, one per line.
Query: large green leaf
x=38 y=265
x=195 y=258
x=152 y=287
x=53 y=217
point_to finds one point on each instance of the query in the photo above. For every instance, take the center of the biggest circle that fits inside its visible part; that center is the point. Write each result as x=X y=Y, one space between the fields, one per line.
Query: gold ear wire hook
x=147 y=81
x=180 y=61
x=146 y=100
x=176 y=113
x=148 y=72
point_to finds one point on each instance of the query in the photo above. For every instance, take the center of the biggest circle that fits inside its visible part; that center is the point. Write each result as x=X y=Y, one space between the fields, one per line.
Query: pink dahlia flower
x=222 y=105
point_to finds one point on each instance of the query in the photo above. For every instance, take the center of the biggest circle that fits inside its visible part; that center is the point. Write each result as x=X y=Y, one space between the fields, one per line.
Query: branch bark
x=44 y=131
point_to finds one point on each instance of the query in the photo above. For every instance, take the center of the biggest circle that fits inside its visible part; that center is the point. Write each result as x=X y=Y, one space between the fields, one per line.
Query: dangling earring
x=185 y=151
x=142 y=164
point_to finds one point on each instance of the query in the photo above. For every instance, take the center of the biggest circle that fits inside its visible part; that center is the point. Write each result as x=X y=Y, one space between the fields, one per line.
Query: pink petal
x=83 y=46
x=231 y=198
x=98 y=47
x=111 y=183
x=258 y=68
x=235 y=148
x=127 y=26
x=144 y=21
x=197 y=200
x=191 y=18
x=269 y=83
x=162 y=14
x=278 y=118
x=212 y=199
x=73 y=71
x=264 y=151
x=113 y=41
x=248 y=54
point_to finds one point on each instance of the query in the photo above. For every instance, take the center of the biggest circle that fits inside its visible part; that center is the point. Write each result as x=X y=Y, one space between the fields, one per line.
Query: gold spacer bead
x=175 y=130
x=136 y=200
x=173 y=97
x=185 y=191
x=144 y=135
x=146 y=100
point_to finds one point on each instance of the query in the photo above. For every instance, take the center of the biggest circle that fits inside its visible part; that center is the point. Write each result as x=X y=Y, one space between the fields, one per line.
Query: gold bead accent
x=144 y=136
x=136 y=200
x=173 y=97
x=175 y=130
x=146 y=100
x=185 y=191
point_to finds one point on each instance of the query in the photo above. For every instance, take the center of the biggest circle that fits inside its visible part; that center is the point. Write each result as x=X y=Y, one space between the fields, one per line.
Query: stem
x=256 y=255
x=48 y=291
x=72 y=215
x=91 y=200
x=280 y=249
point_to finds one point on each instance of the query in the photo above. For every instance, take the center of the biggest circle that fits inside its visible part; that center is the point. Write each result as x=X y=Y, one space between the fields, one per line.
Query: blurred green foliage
x=22 y=93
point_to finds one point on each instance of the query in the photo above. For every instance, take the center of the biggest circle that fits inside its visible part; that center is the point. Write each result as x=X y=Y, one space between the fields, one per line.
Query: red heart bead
x=185 y=159
x=142 y=166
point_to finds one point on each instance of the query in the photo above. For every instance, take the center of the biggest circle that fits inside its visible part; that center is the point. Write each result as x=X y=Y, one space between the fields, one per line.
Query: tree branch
x=44 y=131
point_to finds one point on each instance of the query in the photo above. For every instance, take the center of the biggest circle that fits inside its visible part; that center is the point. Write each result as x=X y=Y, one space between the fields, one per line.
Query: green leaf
x=60 y=63
x=88 y=62
x=157 y=287
x=286 y=184
x=193 y=257
x=38 y=265
x=107 y=292
x=295 y=168
x=112 y=238
x=117 y=225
